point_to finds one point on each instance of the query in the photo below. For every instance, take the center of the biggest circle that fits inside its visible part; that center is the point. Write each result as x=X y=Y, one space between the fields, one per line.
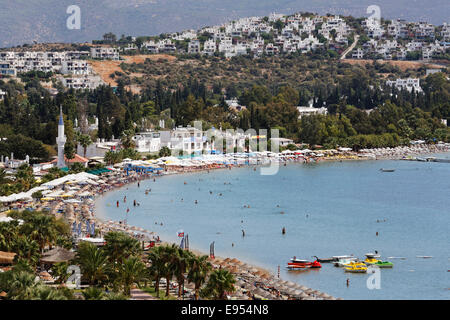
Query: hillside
x=26 y=21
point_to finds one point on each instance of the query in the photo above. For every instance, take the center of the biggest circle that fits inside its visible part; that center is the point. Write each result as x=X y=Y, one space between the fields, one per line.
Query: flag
x=93 y=229
x=180 y=234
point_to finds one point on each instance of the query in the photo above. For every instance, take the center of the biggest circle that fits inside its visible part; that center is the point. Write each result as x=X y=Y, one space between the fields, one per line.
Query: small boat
x=355 y=264
x=297 y=264
x=384 y=264
x=371 y=258
x=326 y=260
x=356 y=269
x=387 y=170
x=341 y=261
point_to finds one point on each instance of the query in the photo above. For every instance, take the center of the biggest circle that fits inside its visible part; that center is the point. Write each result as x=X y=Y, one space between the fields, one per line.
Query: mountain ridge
x=45 y=20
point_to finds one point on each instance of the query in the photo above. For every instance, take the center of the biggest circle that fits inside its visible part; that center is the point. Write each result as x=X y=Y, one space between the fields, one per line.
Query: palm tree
x=112 y=157
x=181 y=262
x=42 y=292
x=8 y=232
x=93 y=293
x=60 y=272
x=27 y=249
x=127 y=139
x=169 y=258
x=115 y=296
x=220 y=281
x=198 y=271
x=93 y=262
x=22 y=285
x=3 y=176
x=41 y=227
x=85 y=141
x=157 y=268
x=130 y=272
x=120 y=246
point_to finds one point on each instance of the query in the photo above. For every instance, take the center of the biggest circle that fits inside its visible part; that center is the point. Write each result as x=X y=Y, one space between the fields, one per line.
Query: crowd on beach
x=73 y=199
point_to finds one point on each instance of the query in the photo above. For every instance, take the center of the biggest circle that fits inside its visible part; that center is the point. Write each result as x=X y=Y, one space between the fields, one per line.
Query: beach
x=252 y=281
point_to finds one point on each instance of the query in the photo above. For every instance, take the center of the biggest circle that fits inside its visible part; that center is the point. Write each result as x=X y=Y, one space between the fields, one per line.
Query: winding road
x=349 y=49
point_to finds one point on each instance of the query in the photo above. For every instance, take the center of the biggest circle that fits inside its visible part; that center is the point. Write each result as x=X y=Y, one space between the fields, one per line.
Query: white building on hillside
x=105 y=53
x=408 y=84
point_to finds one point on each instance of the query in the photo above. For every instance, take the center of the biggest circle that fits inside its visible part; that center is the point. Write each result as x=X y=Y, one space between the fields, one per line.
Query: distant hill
x=26 y=21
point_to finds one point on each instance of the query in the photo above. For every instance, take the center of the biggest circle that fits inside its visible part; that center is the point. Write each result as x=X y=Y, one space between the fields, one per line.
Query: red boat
x=297 y=264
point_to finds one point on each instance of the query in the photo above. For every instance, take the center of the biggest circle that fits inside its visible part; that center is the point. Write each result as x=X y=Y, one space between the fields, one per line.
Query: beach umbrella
x=303 y=288
x=259 y=292
x=303 y=296
x=297 y=293
x=290 y=291
x=291 y=284
x=240 y=283
x=325 y=296
x=283 y=288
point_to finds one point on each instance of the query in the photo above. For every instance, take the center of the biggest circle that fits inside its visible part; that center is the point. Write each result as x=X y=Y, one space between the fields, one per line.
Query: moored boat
x=326 y=260
x=371 y=258
x=356 y=269
x=343 y=260
x=384 y=264
x=297 y=264
x=355 y=264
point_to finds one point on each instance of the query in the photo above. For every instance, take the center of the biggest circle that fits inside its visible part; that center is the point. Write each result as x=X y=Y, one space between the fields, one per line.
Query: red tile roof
x=77 y=158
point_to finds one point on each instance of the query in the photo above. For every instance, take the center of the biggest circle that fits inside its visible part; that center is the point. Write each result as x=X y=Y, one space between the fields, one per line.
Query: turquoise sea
x=328 y=208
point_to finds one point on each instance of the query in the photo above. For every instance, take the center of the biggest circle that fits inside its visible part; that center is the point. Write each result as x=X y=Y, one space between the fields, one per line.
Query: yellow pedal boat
x=356 y=269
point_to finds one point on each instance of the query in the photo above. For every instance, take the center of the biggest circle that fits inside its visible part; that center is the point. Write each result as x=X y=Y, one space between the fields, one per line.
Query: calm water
x=329 y=209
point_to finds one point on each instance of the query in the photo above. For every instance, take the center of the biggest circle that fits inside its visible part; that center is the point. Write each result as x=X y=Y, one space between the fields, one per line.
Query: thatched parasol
x=260 y=292
x=57 y=255
x=6 y=257
x=234 y=260
x=46 y=277
x=303 y=296
x=240 y=283
x=325 y=296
